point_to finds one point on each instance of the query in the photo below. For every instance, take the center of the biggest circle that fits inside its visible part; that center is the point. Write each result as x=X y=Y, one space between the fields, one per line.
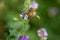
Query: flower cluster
x=33 y=5
x=23 y=37
x=42 y=33
x=30 y=10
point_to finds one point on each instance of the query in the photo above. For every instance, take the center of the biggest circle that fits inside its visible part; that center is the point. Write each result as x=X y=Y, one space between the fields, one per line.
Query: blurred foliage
x=13 y=8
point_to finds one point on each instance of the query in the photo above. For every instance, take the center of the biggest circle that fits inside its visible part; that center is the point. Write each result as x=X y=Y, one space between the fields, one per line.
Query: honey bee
x=31 y=11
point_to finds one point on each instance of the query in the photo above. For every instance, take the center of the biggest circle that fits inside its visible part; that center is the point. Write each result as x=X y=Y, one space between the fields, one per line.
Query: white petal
x=21 y=15
x=45 y=33
x=38 y=16
x=45 y=38
x=39 y=35
x=36 y=6
x=34 y=13
x=15 y=19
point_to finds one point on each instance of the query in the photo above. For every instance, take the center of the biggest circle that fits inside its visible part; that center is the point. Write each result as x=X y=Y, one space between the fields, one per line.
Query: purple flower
x=26 y=17
x=33 y=5
x=42 y=32
x=23 y=37
x=53 y=11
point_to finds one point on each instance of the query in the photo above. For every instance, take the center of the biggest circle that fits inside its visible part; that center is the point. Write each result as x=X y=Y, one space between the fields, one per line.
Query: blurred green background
x=12 y=8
